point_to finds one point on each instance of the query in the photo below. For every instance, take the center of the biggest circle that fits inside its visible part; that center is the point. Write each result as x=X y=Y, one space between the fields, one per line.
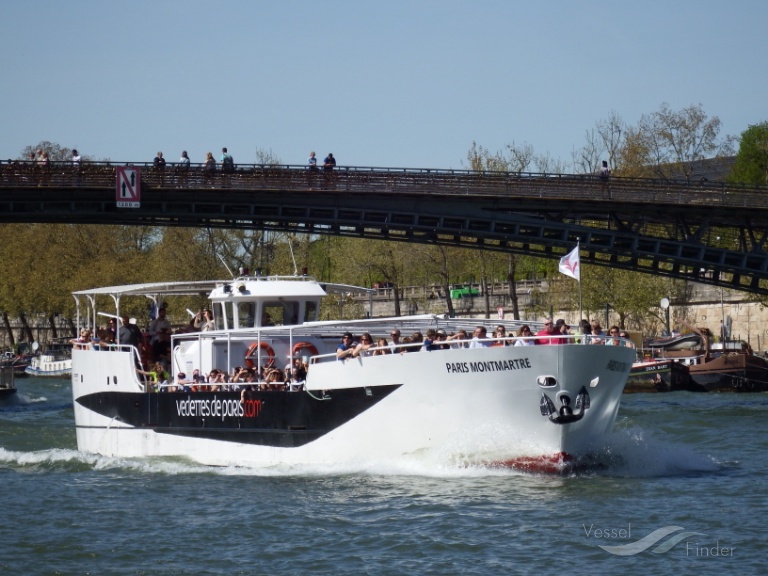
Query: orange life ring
x=253 y=351
x=297 y=349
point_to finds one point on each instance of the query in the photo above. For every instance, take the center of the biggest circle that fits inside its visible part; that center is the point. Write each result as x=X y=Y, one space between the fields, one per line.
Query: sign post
x=128 y=187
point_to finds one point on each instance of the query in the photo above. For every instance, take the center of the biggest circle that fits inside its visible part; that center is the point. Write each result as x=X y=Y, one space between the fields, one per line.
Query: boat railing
x=565 y=339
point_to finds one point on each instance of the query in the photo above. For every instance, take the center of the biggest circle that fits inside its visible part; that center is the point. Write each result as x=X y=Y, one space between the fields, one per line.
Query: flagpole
x=581 y=302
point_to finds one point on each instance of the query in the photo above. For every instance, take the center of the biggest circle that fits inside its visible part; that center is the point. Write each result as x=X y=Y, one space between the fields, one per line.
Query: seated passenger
x=613 y=332
x=545 y=335
x=459 y=339
x=441 y=340
x=415 y=338
x=501 y=334
x=395 y=334
x=364 y=348
x=479 y=338
x=346 y=349
x=563 y=330
x=382 y=347
x=274 y=380
x=524 y=336
x=429 y=341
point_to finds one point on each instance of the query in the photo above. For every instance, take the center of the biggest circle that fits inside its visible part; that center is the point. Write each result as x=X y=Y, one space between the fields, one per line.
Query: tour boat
x=543 y=407
x=55 y=361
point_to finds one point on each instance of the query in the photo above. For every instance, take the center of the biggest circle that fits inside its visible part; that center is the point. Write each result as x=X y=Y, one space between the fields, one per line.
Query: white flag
x=569 y=264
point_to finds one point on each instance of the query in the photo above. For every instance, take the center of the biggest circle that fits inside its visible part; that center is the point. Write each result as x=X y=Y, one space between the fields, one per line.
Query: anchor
x=565 y=414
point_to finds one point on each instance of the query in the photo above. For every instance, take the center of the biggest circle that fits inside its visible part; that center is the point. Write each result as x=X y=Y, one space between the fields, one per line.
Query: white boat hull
x=482 y=405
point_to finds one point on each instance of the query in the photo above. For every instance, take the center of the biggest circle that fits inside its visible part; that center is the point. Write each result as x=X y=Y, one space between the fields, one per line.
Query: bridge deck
x=708 y=231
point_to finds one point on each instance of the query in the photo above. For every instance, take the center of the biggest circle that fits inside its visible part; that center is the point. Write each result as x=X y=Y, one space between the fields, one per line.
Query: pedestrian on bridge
x=329 y=163
x=604 y=175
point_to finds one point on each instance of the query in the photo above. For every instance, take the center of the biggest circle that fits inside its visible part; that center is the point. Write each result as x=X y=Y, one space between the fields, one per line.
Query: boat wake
x=630 y=452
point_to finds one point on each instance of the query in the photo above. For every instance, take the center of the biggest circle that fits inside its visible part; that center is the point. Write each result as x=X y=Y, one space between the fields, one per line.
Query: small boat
x=730 y=366
x=689 y=341
x=660 y=375
x=7 y=384
x=545 y=407
x=55 y=361
x=17 y=362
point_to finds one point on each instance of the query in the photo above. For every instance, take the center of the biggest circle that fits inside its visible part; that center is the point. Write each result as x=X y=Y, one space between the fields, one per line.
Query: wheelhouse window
x=246 y=314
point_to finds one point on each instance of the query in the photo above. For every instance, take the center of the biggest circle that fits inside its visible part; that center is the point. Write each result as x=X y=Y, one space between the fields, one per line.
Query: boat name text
x=216 y=407
x=616 y=366
x=487 y=366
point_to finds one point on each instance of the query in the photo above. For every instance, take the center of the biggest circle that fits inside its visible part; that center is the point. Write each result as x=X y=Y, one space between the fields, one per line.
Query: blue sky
x=398 y=83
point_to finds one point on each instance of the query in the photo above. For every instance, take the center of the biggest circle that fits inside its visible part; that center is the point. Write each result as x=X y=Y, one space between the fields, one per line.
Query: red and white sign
x=500 y=312
x=128 y=187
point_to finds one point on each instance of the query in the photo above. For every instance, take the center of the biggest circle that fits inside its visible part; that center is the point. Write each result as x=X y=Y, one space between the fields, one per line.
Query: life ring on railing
x=253 y=351
x=300 y=346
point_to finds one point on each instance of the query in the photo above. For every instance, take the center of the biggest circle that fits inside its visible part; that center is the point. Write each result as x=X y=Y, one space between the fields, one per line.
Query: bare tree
x=676 y=139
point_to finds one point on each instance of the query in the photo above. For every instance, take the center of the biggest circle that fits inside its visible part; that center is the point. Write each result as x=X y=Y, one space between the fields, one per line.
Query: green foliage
x=751 y=166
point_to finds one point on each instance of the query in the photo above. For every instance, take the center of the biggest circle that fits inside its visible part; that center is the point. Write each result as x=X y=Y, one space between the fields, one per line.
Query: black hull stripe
x=275 y=419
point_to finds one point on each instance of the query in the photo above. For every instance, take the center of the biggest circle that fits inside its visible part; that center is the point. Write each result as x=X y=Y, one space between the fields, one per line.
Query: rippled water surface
x=680 y=488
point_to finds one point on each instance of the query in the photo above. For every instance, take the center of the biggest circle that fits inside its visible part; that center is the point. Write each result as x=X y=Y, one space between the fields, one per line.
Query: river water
x=681 y=489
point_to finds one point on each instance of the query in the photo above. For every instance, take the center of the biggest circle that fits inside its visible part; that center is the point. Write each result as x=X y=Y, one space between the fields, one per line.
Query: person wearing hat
x=346 y=348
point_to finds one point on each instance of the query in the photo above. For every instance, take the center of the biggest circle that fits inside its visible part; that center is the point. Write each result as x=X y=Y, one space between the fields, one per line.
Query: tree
x=751 y=166
x=604 y=142
x=56 y=152
x=676 y=139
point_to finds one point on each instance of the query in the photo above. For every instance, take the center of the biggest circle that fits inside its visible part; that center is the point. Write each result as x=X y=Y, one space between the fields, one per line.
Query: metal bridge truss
x=707 y=232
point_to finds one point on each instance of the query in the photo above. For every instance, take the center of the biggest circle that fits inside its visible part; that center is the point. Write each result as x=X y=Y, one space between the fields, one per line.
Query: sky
x=402 y=83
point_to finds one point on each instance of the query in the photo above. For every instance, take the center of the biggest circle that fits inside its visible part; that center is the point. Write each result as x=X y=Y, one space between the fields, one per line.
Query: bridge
x=708 y=232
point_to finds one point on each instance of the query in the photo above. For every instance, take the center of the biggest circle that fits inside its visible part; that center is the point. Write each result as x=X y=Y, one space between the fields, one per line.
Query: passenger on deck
x=479 y=338
x=83 y=341
x=158 y=324
x=459 y=340
x=545 y=335
x=395 y=335
x=415 y=338
x=563 y=330
x=346 y=349
x=597 y=333
x=156 y=375
x=429 y=342
x=364 y=348
x=204 y=321
x=129 y=334
x=613 y=331
x=216 y=380
x=161 y=349
x=382 y=347
x=274 y=380
x=501 y=334
x=524 y=336
x=441 y=340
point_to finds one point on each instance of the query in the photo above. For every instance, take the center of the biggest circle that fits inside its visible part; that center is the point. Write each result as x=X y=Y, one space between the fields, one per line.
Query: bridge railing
x=353 y=179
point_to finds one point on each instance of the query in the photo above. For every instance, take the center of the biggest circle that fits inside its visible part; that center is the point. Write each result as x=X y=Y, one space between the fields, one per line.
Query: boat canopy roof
x=257 y=286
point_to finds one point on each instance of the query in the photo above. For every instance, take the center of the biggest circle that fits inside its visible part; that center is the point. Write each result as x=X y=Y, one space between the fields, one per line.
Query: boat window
x=218 y=316
x=272 y=314
x=227 y=307
x=246 y=314
x=310 y=311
